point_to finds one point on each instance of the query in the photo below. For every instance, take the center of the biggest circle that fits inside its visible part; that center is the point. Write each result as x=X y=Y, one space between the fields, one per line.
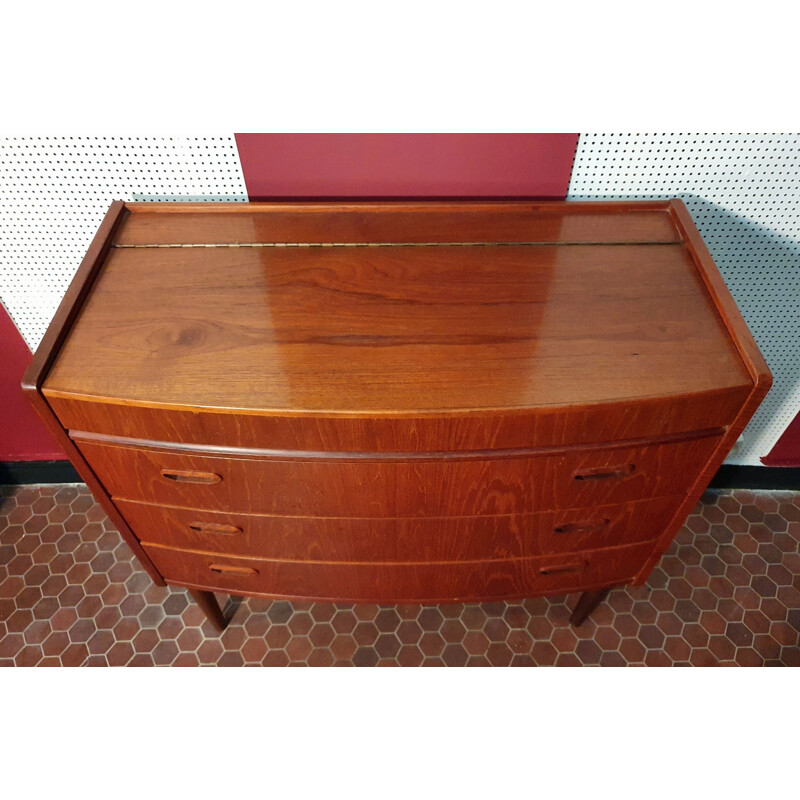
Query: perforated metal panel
x=55 y=190
x=743 y=191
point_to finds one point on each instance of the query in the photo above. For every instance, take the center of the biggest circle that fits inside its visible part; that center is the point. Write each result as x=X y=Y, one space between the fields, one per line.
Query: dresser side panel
x=706 y=473
x=751 y=356
x=46 y=354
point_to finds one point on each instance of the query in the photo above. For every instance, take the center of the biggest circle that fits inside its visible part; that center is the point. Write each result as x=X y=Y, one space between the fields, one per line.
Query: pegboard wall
x=55 y=190
x=743 y=191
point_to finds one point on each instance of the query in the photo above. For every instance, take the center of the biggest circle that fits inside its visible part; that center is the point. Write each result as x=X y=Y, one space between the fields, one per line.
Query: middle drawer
x=406 y=539
x=366 y=487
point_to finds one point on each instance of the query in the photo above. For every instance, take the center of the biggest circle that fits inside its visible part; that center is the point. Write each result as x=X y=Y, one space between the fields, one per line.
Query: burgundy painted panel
x=406 y=164
x=23 y=436
x=786 y=452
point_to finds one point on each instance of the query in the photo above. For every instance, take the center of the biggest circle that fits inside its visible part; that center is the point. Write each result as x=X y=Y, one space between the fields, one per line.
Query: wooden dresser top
x=401 y=308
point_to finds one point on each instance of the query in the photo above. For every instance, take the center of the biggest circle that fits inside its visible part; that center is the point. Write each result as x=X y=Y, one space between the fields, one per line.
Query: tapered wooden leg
x=587 y=603
x=210 y=606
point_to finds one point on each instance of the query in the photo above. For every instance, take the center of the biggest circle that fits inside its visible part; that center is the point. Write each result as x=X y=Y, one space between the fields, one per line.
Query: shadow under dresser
x=398 y=402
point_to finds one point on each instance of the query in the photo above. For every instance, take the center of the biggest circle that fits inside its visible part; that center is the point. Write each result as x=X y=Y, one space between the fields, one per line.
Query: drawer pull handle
x=190 y=476
x=226 y=569
x=562 y=568
x=214 y=527
x=583 y=527
x=604 y=473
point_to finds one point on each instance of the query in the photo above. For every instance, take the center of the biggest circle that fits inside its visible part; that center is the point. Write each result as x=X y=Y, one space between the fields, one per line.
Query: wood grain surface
x=393 y=539
x=398 y=402
x=403 y=330
x=358 y=488
x=401 y=582
x=556 y=426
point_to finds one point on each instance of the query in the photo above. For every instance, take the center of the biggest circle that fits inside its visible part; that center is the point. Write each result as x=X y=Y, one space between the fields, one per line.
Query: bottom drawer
x=401 y=582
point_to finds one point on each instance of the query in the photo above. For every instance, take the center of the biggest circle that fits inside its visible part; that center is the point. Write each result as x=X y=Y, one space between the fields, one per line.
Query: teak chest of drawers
x=398 y=402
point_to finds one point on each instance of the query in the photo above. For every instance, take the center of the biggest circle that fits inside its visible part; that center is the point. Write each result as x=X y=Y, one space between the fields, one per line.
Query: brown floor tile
x=499 y=654
x=657 y=658
x=564 y=640
x=473 y=618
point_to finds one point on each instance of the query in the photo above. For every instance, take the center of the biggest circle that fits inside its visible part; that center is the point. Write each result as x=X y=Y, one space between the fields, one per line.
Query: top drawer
x=379 y=487
x=489 y=429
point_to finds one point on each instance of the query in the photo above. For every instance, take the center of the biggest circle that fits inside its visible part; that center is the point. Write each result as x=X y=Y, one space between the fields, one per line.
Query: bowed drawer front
x=400 y=582
x=455 y=485
x=398 y=539
x=398 y=402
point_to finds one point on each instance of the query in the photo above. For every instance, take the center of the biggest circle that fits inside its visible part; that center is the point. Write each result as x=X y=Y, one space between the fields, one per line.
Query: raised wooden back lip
x=500 y=205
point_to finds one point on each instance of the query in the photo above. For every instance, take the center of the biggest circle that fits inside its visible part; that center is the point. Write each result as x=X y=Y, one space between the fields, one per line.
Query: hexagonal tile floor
x=726 y=593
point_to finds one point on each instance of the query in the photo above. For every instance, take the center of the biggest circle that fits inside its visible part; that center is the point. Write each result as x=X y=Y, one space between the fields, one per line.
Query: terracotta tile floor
x=727 y=593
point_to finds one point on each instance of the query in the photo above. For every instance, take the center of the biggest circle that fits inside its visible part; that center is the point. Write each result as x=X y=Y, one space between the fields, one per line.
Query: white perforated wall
x=54 y=191
x=743 y=191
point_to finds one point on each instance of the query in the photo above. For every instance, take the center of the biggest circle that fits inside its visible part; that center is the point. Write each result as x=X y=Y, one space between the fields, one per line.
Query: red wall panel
x=406 y=164
x=23 y=436
x=786 y=452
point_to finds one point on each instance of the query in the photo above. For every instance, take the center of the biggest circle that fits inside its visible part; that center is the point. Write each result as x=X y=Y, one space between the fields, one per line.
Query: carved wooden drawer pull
x=562 y=568
x=583 y=527
x=214 y=527
x=227 y=569
x=604 y=473
x=190 y=476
